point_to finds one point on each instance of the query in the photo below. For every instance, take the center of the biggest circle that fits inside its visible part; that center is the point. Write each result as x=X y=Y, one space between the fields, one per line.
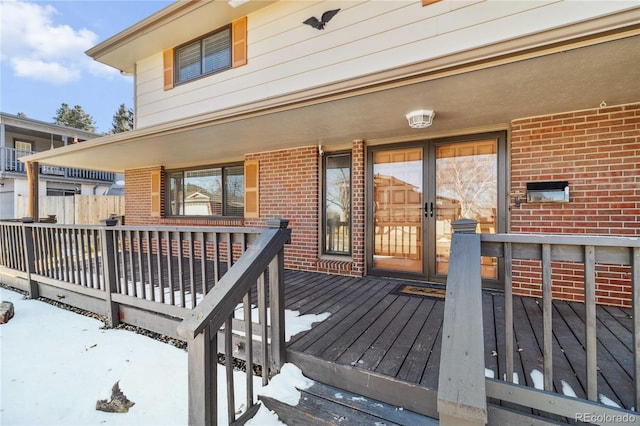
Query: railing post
x=462 y=398
x=276 y=294
x=29 y=257
x=109 y=273
x=202 y=379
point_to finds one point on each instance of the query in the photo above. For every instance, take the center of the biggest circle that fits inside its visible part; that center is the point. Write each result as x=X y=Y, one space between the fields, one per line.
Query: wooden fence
x=77 y=209
x=183 y=282
x=463 y=391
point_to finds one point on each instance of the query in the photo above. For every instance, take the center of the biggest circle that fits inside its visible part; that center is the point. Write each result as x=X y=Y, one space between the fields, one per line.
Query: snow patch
x=567 y=389
x=284 y=386
x=263 y=417
x=294 y=322
x=538 y=379
x=607 y=401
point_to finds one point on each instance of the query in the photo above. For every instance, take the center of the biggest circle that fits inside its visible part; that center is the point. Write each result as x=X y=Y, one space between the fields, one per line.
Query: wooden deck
x=373 y=329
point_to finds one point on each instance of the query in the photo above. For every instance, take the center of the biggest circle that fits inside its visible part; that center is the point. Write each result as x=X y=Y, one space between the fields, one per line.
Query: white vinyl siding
x=286 y=56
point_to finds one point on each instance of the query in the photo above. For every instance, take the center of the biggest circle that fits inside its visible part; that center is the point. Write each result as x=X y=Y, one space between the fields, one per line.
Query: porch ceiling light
x=421 y=118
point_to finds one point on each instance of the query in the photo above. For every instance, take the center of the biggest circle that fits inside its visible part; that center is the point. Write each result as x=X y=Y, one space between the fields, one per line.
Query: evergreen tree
x=122 y=120
x=76 y=118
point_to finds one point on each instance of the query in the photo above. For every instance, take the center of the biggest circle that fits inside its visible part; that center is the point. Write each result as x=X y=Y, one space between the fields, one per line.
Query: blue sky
x=42 y=59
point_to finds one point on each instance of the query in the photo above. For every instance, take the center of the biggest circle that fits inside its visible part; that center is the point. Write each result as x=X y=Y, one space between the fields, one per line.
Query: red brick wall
x=137 y=197
x=290 y=188
x=598 y=152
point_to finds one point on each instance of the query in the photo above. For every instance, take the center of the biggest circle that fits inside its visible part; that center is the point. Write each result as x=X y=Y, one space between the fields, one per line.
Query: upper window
x=22 y=148
x=337 y=204
x=211 y=191
x=207 y=55
x=217 y=51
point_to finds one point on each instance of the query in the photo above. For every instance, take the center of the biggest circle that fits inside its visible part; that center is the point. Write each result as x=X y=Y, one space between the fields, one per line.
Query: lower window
x=211 y=191
x=337 y=204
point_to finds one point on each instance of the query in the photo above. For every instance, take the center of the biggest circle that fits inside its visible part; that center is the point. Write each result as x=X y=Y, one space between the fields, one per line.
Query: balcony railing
x=10 y=162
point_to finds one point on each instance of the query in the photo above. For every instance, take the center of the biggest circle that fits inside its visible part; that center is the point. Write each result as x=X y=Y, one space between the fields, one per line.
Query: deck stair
x=322 y=404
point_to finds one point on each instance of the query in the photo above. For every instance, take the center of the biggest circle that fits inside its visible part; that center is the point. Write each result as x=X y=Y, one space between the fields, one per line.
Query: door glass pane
x=397 y=214
x=466 y=187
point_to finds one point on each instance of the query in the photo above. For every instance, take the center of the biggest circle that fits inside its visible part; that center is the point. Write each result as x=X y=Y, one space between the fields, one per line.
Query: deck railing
x=183 y=282
x=262 y=268
x=462 y=394
x=12 y=163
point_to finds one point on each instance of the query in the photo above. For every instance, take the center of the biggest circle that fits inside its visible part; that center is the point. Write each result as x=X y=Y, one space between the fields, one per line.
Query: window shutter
x=251 y=193
x=239 y=42
x=167 y=59
x=155 y=193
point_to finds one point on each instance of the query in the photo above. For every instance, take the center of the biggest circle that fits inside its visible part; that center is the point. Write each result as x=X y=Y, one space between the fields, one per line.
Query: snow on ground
x=56 y=364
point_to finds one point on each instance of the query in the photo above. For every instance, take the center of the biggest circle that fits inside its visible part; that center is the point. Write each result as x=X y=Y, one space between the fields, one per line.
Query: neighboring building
x=21 y=136
x=530 y=98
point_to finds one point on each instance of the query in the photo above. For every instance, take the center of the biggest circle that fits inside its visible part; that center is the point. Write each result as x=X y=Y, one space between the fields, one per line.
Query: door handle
x=428 y=209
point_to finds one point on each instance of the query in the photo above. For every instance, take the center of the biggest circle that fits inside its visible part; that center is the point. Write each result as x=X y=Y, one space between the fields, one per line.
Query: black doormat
x=419 y=291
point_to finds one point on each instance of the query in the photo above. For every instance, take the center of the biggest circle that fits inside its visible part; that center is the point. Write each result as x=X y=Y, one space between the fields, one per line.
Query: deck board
x=372 y=329
x=416 y=360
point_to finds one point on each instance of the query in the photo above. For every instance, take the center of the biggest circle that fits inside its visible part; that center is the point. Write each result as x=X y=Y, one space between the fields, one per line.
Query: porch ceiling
x=466 y=100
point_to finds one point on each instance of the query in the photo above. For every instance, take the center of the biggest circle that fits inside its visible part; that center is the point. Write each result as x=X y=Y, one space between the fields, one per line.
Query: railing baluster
x=99 y=259
x=180 y=272
x=77 y=257
x=229 y=241
x=203 y=262
x=547 y=317
x=262 y=319
x=167 y=236
x=590 y=321
x=228 y=363
x=140 y=267
x=133 y=291
x=66 y=267
x=248 y=353
x=217 y=258
x=192 y=283
x=157 y=236
x=149 y=246
x=94 y=260
x=508 y=311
